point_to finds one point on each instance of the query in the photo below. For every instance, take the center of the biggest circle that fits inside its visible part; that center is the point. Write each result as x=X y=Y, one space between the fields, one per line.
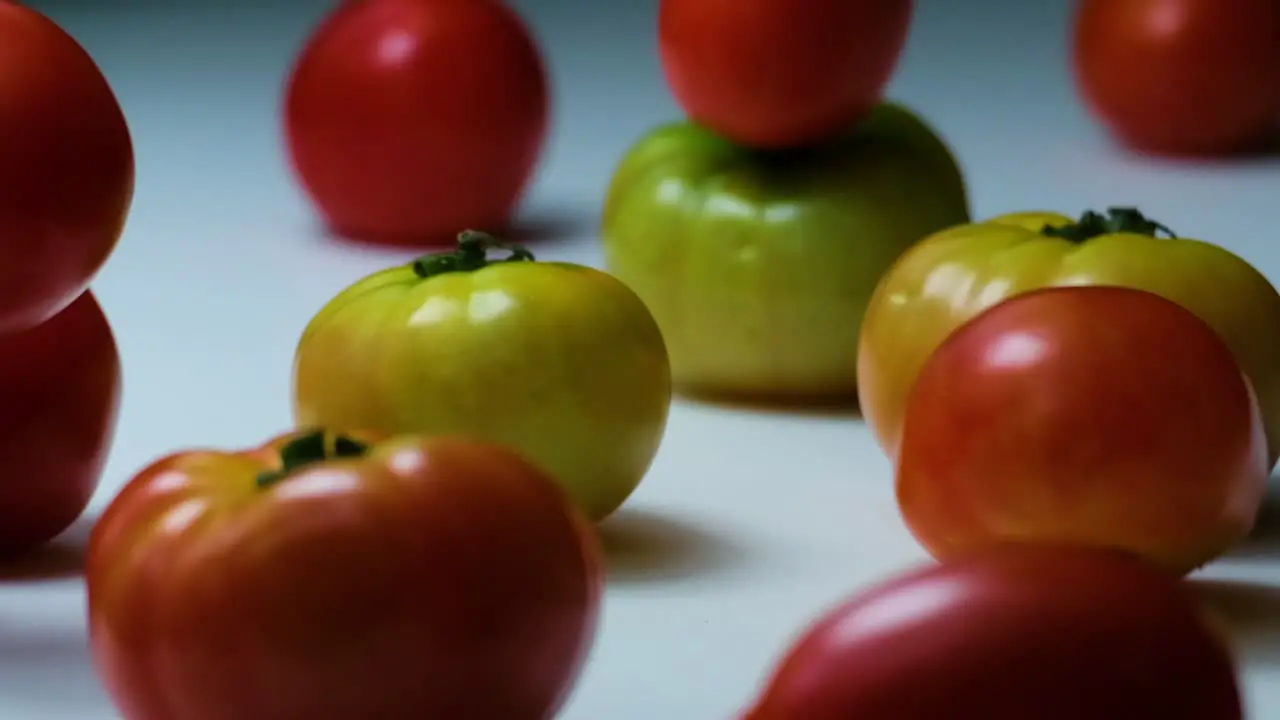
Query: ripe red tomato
x=60 y=384
x=1181 y=77
x=67 y=160
x=1094 y=415
x=1050 y=633
x=336 y=577
x=409 y=121
x=780 y=73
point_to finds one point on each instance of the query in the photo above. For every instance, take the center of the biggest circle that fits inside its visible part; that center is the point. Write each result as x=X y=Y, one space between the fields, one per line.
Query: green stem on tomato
x=1116 y=220
x=471 y=255
x=310 y=448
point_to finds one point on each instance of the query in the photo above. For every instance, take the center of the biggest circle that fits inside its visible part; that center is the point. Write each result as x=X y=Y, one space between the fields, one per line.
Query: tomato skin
x=1052 y=633
x=1065 y=415
x=415 y=145
x=68 y=167
x=435 y=577
x=1181 y=77
x=61 y=387
x=780 y=73
x=949 y=278
x=758 y=266
x=559 y=361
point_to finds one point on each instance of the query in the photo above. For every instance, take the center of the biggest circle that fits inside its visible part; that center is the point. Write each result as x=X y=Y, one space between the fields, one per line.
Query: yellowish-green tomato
x=560 y=362
x=758 y=265
x=955 y=275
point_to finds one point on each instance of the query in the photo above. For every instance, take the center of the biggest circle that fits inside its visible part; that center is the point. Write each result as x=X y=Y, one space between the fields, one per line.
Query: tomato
x=558 y=361
x=332 y=577
x=758 y=266
x=958 y=273
x=781 y=73
x=1051 y=633
x=61 y=387
x=67 y=160
x=1181 y=77
x=1094 y=415
x=409 y=120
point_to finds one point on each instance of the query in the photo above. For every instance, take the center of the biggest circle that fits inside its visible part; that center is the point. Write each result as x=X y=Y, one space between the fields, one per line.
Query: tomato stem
x=310 y=448
x=471 y=255
x=1116 y=220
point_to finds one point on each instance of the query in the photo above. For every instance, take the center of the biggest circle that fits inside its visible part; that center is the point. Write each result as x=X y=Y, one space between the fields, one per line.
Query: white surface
x=769 y=517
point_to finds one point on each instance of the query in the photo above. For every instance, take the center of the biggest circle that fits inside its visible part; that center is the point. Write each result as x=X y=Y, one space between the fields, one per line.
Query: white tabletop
x=750 y=522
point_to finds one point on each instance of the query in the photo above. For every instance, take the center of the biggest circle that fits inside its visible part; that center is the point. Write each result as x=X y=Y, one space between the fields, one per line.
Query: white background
x=750 y=522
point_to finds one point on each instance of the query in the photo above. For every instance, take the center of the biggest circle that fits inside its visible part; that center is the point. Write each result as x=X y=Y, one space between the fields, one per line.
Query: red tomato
x=409 y=121
x=67 y=168
x=332 y=578
x=780 y=73
x=1181 y=77
x=1023 y=633
x=1095 y=415
x=60 y=384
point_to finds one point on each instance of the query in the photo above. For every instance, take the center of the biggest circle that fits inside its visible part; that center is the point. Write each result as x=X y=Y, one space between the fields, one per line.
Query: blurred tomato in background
x=1181 y=77
x=408 y=121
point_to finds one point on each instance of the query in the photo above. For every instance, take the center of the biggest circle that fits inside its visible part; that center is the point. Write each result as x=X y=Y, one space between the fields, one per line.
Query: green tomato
x=758 y=265
x=558 y=361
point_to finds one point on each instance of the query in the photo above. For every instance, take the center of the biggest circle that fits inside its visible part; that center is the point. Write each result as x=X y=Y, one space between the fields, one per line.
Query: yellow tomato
x=957 y=273
x=560 y=362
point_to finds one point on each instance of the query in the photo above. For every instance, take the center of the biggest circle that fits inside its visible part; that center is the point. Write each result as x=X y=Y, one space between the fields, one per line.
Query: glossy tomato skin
x=408 y=121
x=1181 y=77
x=60 y=383
x=1093 y=415
x=560 y=361
x=68 y=168
x=780 y=73
x=1051 y=633
x=430 y=578
x=758 y=266
x=946 y=280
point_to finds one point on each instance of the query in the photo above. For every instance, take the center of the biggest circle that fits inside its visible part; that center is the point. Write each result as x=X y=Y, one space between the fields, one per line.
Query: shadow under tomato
x=63 y=557
x=845 y=406
x=647 y=546
x=1263 y=153
x=537 y=227
x=1263 y=544
x=1250 y=610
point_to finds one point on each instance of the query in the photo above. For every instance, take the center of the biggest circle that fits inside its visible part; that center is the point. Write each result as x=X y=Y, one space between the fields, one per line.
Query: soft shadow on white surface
x=1252 y=612
x=650 y=546
x=540 y=227
x=1263 y=544
x=62 y=558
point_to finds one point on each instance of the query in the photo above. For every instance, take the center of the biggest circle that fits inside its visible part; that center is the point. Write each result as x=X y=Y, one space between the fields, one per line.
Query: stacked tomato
x=1080 y=412
x=65 y=192
x=757 y=229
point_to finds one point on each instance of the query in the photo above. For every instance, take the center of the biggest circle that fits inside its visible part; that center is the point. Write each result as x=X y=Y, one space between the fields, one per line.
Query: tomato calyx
x=472 y=254
x=1116 y=220
x=310 y=448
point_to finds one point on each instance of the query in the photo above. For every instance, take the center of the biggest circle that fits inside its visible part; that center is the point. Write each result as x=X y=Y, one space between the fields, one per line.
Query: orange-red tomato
x=338 y=577
x=408 y=121
x=1019 y=633
x=1181 y=77
x=59 y=404
x=1095 y=415
x=779 y=73
x=66 y=168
